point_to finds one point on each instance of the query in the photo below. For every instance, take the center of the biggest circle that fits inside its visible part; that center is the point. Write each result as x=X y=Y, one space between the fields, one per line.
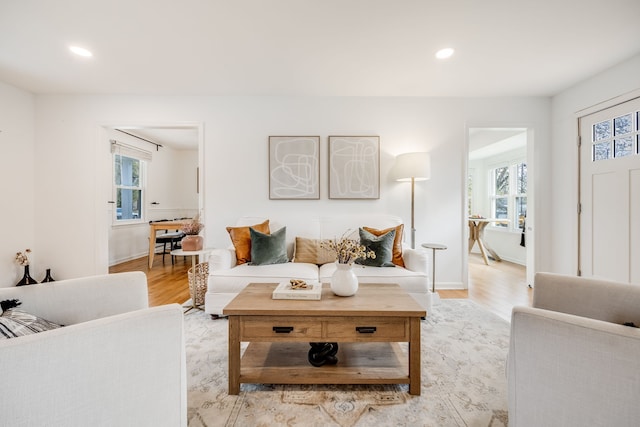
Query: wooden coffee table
x=367 y=326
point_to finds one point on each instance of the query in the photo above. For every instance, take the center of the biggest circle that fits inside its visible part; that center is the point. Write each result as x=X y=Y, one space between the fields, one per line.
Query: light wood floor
x=497 y=287
x=167 y=283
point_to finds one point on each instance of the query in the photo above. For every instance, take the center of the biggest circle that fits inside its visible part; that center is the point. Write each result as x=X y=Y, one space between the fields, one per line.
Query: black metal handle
x=282 y=329
x=366 y=329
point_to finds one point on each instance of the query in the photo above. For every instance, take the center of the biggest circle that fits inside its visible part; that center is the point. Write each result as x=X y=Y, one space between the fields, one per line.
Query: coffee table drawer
x=369 y=329
x=285 y=329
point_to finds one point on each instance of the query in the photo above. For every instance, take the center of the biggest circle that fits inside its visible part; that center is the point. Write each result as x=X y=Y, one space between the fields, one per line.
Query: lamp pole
x=413 y=228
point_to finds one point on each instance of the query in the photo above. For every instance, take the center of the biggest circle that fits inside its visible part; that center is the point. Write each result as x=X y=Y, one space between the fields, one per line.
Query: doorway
x=499 y=194
x=170 y=184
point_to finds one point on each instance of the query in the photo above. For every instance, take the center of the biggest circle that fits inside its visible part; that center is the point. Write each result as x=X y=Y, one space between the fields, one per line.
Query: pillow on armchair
x=17 y=323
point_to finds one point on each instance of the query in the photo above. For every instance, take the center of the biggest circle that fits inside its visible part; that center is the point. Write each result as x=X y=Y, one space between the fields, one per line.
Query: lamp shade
x=412 y=165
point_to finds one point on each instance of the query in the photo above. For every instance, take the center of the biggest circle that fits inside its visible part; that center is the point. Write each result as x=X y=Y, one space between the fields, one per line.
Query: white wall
x=17 y=178
x=54 y=194
x=171 y=192
x=563 y=232
x=236 y=131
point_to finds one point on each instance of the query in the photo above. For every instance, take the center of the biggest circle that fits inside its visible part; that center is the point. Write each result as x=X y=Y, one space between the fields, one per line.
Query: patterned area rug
x=464 y=349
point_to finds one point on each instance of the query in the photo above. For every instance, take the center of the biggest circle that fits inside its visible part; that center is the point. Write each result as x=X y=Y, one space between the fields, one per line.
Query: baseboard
x=450 y=286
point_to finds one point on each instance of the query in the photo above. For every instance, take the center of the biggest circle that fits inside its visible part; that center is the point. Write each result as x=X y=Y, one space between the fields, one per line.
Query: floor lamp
x=412 y=167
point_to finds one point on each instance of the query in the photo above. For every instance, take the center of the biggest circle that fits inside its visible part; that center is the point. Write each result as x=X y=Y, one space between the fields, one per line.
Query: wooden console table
x=368 y=327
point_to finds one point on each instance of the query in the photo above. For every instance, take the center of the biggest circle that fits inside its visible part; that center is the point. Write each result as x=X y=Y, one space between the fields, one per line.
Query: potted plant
x=192 y=241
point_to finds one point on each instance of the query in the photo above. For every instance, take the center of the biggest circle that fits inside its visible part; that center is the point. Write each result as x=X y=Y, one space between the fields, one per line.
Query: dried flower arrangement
x=22 y=258
x=347 y=250
x=193 y=227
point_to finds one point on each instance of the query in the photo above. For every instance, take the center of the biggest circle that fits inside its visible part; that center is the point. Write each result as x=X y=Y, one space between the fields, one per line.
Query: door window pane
x=601 y=151
x=622 y=124
x=602 y=130
x=623 y=146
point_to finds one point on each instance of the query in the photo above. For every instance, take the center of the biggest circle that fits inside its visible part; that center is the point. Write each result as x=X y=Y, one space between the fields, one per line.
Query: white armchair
x=115 y=363
x=572 y=362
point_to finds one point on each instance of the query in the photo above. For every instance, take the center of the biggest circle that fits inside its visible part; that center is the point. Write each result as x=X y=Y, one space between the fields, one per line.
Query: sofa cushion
x=241 y=239
x=235 y=279
x=311 y=251
x=268 y=248
x=410 y=281
x=397 y=242
x=381 y=245
x=16 y=323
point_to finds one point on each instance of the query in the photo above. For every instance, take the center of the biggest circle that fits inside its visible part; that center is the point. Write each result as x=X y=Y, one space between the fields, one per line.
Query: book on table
x=286 y=290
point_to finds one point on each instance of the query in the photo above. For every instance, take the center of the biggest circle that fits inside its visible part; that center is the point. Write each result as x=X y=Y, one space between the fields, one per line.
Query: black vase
x=26 y=279
x=47 y=277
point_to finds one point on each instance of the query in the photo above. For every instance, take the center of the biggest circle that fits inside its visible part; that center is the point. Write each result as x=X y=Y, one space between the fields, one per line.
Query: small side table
x=193 y=254
x=434 y=247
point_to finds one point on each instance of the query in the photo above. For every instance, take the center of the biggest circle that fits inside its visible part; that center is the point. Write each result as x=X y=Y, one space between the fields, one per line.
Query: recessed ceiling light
x=444 y=53
x=80 y=51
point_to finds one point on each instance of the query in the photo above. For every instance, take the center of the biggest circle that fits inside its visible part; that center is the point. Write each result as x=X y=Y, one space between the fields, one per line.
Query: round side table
x=434 y=247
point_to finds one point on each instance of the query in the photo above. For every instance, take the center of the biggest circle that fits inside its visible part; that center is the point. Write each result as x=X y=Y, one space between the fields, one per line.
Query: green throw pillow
x=382 y=246
x=268 y=248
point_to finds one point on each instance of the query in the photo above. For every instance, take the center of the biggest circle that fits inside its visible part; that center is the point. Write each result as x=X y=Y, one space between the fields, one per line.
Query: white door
x=609 y=221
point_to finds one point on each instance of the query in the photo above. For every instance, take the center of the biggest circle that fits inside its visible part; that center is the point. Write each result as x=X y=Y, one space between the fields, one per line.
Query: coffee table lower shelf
x=358 y=363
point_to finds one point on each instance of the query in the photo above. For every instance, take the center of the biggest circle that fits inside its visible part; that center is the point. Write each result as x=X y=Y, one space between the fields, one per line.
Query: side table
x=434 y=247
x=193 y=254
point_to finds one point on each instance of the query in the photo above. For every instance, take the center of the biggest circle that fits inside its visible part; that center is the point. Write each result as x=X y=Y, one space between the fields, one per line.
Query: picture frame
x=354 y=167
x=294 y=167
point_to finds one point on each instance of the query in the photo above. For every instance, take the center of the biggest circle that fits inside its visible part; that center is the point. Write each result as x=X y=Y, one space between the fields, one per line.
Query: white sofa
x=227 y=278
x=572 y=362
x=116 y=362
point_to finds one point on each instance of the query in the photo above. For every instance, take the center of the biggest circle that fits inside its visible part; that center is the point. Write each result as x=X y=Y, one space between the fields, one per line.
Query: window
x=616 y=137
x=129 y=188
x=508 y=195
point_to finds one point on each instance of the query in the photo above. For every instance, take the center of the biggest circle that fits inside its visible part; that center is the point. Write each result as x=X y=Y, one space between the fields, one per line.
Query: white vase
x=344 y=282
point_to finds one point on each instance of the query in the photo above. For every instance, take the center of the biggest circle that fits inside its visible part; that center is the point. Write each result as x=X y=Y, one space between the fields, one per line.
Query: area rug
x=464 y=349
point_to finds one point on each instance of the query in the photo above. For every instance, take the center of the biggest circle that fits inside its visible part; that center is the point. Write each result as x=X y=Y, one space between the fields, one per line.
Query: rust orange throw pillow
x=397 y=242
x=241 y=239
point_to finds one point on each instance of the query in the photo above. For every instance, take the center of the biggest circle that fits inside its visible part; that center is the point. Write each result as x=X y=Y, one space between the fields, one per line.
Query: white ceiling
x=311 y=47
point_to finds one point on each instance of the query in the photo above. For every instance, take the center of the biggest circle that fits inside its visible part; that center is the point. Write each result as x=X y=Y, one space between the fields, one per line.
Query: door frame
x=531 y=197
x=103 y=184
x=579 y=115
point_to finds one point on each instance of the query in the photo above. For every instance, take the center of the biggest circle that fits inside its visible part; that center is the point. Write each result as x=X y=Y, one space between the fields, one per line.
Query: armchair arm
x=222 y=259
x=86 y=298
x=566 y=369
x=416 y=260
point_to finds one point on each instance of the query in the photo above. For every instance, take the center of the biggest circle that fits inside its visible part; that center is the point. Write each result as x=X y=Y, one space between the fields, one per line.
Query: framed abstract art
x=294 y=167
x=354 y=167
